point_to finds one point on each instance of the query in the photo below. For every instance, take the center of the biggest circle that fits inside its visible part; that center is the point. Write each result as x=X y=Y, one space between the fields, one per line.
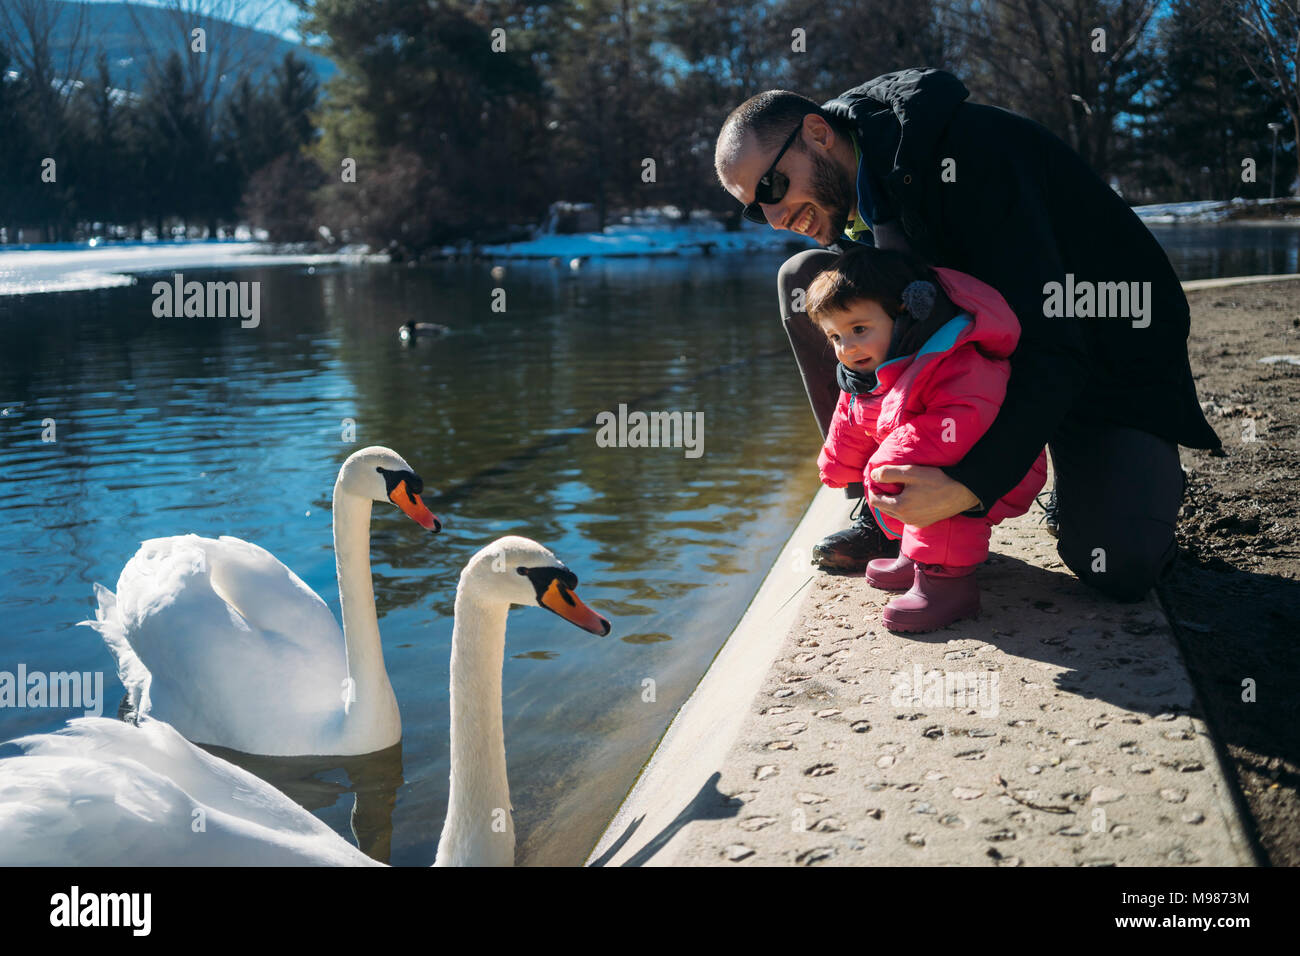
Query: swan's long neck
x=479 y=830
x=357 y=597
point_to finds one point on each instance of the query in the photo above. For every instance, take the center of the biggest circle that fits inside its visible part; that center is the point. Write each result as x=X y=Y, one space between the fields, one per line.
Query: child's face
x=860 y=334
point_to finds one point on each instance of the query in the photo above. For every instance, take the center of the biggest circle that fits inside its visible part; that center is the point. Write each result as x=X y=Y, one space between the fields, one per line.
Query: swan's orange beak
x=414 y=508
x=569 y=606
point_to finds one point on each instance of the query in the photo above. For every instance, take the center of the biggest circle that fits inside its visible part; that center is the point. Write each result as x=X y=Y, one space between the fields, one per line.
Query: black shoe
x=1050 y=519
x=852 y=548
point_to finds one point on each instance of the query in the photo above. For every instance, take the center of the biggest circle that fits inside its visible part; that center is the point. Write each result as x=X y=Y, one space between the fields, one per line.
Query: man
x=1101 y=375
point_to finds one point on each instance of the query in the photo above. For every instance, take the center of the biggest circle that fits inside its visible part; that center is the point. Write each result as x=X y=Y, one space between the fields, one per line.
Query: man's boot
x=1051 y=513
x=852 y=548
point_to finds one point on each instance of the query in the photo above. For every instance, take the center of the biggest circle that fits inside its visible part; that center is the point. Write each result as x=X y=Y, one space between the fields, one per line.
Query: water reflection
x=652 y=638
x=317 y=782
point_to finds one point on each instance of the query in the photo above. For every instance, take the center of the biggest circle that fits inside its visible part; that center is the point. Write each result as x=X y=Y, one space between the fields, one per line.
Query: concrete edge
x=704 y=729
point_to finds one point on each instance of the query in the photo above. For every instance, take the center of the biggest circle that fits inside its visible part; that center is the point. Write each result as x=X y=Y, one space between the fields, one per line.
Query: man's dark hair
x=769 y=117
x=864 y=272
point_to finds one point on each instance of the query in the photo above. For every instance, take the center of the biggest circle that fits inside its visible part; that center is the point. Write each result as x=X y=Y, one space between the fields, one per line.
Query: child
x=923 y=371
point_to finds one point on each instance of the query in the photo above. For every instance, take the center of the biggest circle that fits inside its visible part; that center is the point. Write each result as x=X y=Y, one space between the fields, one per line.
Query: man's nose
x=776 y=216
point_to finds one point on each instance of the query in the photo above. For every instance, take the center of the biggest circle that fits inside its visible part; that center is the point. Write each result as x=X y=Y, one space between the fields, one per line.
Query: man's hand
x=928 y=494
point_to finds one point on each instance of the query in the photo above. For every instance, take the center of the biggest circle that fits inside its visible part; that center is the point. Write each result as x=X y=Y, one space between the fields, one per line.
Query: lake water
x=1211 y=251
x=168 y=426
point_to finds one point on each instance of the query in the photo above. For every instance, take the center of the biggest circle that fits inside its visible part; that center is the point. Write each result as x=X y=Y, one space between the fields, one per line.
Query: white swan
x=102 y=792
x=229 y=646
x=479 y=829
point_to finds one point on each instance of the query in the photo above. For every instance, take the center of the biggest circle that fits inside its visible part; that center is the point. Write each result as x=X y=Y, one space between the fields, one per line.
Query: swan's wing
x=130 y=669
x=254 y=586
x=102 y=792
x=231 y=637
x=270 y=596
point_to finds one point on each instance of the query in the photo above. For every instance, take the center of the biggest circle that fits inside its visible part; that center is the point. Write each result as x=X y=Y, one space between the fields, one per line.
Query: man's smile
x=804 y=224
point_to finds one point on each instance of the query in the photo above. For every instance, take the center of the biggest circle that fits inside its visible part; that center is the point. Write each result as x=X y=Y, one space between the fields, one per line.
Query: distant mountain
x=116 y=29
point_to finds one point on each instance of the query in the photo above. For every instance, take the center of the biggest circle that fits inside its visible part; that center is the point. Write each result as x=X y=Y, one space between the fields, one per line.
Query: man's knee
x=796 y=274
x=1124 y=566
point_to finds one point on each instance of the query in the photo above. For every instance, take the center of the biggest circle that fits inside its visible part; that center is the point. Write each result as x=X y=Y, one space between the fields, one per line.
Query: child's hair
x=864 y=272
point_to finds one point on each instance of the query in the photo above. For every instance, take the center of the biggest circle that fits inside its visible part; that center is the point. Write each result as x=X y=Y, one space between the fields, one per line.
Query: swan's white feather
x=105 y=793
x=131 y=671
x=232 y=640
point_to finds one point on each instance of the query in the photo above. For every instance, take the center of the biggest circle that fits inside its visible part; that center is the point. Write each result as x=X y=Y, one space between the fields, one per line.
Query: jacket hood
x=996 y=329
x=907 y=110
x=989 y=323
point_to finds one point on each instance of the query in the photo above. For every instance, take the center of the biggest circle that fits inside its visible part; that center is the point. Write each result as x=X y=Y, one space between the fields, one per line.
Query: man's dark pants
x=1118 y=490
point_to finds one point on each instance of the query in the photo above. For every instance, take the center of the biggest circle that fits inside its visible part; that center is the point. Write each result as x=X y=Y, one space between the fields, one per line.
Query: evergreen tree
x=268 y=131
x=177 y=151
x=15 y=156
x=433 y=82
x=1209 y=112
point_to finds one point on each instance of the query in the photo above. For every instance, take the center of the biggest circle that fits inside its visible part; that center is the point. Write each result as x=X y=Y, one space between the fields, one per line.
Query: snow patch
x=652 y=233
x=33 y=271
x=1206 y=210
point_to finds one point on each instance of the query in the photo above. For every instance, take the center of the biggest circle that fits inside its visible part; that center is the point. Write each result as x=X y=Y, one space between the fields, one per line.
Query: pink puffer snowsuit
x=929 y=409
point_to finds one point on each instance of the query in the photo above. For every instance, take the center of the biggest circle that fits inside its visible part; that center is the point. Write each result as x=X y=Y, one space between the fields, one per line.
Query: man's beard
x=833 y=190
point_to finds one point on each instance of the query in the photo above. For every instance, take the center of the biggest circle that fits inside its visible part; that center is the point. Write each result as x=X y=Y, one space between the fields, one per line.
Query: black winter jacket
x=1024 y=210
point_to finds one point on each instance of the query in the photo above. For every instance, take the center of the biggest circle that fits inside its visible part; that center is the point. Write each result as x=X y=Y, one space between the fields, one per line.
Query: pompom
x=918 y=298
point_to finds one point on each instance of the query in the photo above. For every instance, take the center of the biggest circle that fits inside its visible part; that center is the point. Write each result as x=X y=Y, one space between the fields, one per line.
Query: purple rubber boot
x=939 y=596
x=891 y=574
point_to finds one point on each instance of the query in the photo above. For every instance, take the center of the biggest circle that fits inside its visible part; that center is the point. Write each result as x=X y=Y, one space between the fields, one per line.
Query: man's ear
x=819 y=132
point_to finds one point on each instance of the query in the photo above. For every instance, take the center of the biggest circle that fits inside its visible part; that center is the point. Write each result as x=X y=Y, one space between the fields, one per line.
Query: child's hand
x=877 y=488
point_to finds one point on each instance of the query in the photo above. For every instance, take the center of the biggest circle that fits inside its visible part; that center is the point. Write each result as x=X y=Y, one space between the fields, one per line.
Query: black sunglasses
x=771 y=185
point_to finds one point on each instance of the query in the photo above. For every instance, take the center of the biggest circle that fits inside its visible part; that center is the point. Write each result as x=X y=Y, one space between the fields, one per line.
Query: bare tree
x=230 y=48
x=217 y=50
x=29 y=30
x=1046 y=59
x=1275 y=61
x=48 y=43
x=841 y=48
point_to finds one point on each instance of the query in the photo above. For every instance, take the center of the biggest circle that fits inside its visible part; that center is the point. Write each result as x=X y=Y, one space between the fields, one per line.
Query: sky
x=273 y=16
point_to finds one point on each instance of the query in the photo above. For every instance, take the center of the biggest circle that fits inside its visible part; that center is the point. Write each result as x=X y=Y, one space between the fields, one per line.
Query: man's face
x=822 y=190
x=860 y=334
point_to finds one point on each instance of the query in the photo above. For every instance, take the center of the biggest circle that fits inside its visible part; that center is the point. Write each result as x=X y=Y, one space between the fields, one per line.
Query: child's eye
x=859 y=329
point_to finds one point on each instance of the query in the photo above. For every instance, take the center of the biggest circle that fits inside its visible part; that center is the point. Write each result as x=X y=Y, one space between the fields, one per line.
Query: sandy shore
x=1056 y=729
